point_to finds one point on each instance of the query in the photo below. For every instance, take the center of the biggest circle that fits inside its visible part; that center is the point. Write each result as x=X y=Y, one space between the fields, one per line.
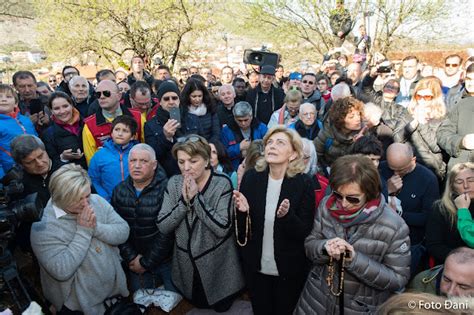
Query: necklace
x=331 y=274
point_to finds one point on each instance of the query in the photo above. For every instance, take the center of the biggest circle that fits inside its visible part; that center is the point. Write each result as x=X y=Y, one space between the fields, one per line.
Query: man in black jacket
x=138 y=200
x=265 y=98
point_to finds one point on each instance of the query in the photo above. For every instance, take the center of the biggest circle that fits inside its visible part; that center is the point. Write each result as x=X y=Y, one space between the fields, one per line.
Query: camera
x=14 y=209
x=261 y=58
x=384 y=69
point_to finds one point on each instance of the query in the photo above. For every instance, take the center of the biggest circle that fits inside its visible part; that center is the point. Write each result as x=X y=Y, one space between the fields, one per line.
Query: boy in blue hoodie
x=108 y=166
x=12 y=124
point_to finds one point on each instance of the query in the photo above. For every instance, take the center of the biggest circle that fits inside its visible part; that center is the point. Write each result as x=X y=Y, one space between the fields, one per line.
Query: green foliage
x=113 y=29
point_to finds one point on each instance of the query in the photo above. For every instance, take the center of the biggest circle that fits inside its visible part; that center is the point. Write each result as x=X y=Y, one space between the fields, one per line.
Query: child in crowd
x=108 y=166
x=12 y=124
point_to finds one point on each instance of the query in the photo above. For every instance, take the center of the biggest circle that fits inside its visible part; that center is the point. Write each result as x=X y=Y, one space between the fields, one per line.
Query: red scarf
x=14 y=114
x=343 y=215
x=72 y=125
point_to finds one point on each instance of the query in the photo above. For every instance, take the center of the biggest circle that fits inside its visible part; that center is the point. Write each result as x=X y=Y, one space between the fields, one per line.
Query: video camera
x=14 y=209
x=261 y=58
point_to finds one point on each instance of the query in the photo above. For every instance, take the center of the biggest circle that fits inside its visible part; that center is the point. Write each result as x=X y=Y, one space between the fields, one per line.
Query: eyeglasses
x=106 y=93
x=191 y=138
x=309 y=114
x=349 y=199
x=452 y=65
x=307 y=82
x=167 y=98
x=419 y=97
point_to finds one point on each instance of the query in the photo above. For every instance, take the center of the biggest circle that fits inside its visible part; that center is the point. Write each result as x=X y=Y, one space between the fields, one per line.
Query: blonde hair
x=448 y=206
x=436 y=105
x=68 y=184
x=295 y=166
x=293 y=96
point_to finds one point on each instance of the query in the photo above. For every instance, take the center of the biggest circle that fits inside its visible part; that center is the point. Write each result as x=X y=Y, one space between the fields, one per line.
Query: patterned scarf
x=72 y=125
x=350 y=217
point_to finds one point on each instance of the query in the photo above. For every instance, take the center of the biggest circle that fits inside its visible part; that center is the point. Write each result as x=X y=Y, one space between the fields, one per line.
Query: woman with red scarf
x=63 y=139
x=359 y=246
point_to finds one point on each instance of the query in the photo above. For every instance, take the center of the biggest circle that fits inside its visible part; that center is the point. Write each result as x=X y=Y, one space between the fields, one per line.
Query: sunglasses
x=452 y=65
x=191 y=138
x=419 y=97
x=349 y=199
x=167 y=98
x=98 y=94
x=307 y=82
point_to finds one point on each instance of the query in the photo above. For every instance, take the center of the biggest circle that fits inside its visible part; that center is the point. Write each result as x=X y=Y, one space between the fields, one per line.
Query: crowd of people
x=336 y=190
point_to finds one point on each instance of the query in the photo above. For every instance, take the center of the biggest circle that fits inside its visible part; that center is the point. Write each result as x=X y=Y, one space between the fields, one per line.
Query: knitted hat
x=165 y=87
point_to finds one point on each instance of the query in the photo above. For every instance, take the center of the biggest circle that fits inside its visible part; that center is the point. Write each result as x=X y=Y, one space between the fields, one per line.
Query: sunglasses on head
x=167 y=98
x=349 y=199
x=191 y=139
x=419 y=97
x=307 y=82
x=98 y=94
x=452 y=65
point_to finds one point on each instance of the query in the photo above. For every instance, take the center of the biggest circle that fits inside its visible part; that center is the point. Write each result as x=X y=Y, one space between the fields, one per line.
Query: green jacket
x=427 y=281
x=465 y=226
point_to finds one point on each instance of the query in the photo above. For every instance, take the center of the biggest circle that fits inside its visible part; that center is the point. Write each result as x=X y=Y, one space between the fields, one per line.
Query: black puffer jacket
x=141 y=214
x=57 y=139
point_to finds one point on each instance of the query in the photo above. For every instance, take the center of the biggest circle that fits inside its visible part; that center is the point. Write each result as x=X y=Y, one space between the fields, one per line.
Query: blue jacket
x=9 y=129
x=109 y=167
x=232 y=136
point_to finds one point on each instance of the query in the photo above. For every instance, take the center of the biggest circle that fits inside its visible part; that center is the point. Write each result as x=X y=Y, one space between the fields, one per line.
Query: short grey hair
x=77 y=78
x=312 y=166
x=68 y=184
x=143 y=147
x=22 y=146
x=339 y=91
x=242 y=109
x=226 y=86
x=307 y=105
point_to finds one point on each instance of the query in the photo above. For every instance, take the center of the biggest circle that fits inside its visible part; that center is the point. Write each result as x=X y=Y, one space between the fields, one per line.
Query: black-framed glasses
x=167 y=98
x=106 y=93
x=349 y=199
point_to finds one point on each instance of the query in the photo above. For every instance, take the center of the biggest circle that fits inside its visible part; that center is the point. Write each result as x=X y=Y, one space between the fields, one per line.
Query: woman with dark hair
x=359 y=246
x=275 y=210
x=63 y=139
x=197 y=208
x=344 y=128
x=200 y=115
x=220 y=160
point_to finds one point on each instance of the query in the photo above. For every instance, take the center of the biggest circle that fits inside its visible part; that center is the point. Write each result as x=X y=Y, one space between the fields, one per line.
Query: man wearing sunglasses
x=162 y=132
x=309 y=90
x=416 y=188
x=452 y=72
x=456 y=133
x=97 y=127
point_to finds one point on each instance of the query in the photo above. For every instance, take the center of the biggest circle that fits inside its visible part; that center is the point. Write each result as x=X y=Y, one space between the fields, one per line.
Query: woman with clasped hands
x=359 y=246
x=275 y=209
x=76 y=245
x=197 y=209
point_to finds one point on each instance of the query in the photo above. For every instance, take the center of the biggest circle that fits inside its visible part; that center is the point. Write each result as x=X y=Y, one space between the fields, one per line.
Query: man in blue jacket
x=237 y=136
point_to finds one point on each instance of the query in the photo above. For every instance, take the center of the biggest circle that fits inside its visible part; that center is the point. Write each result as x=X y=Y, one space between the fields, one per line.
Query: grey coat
x=453 y=129
x=80 y=266
x=380 y=267
x=205 y=238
